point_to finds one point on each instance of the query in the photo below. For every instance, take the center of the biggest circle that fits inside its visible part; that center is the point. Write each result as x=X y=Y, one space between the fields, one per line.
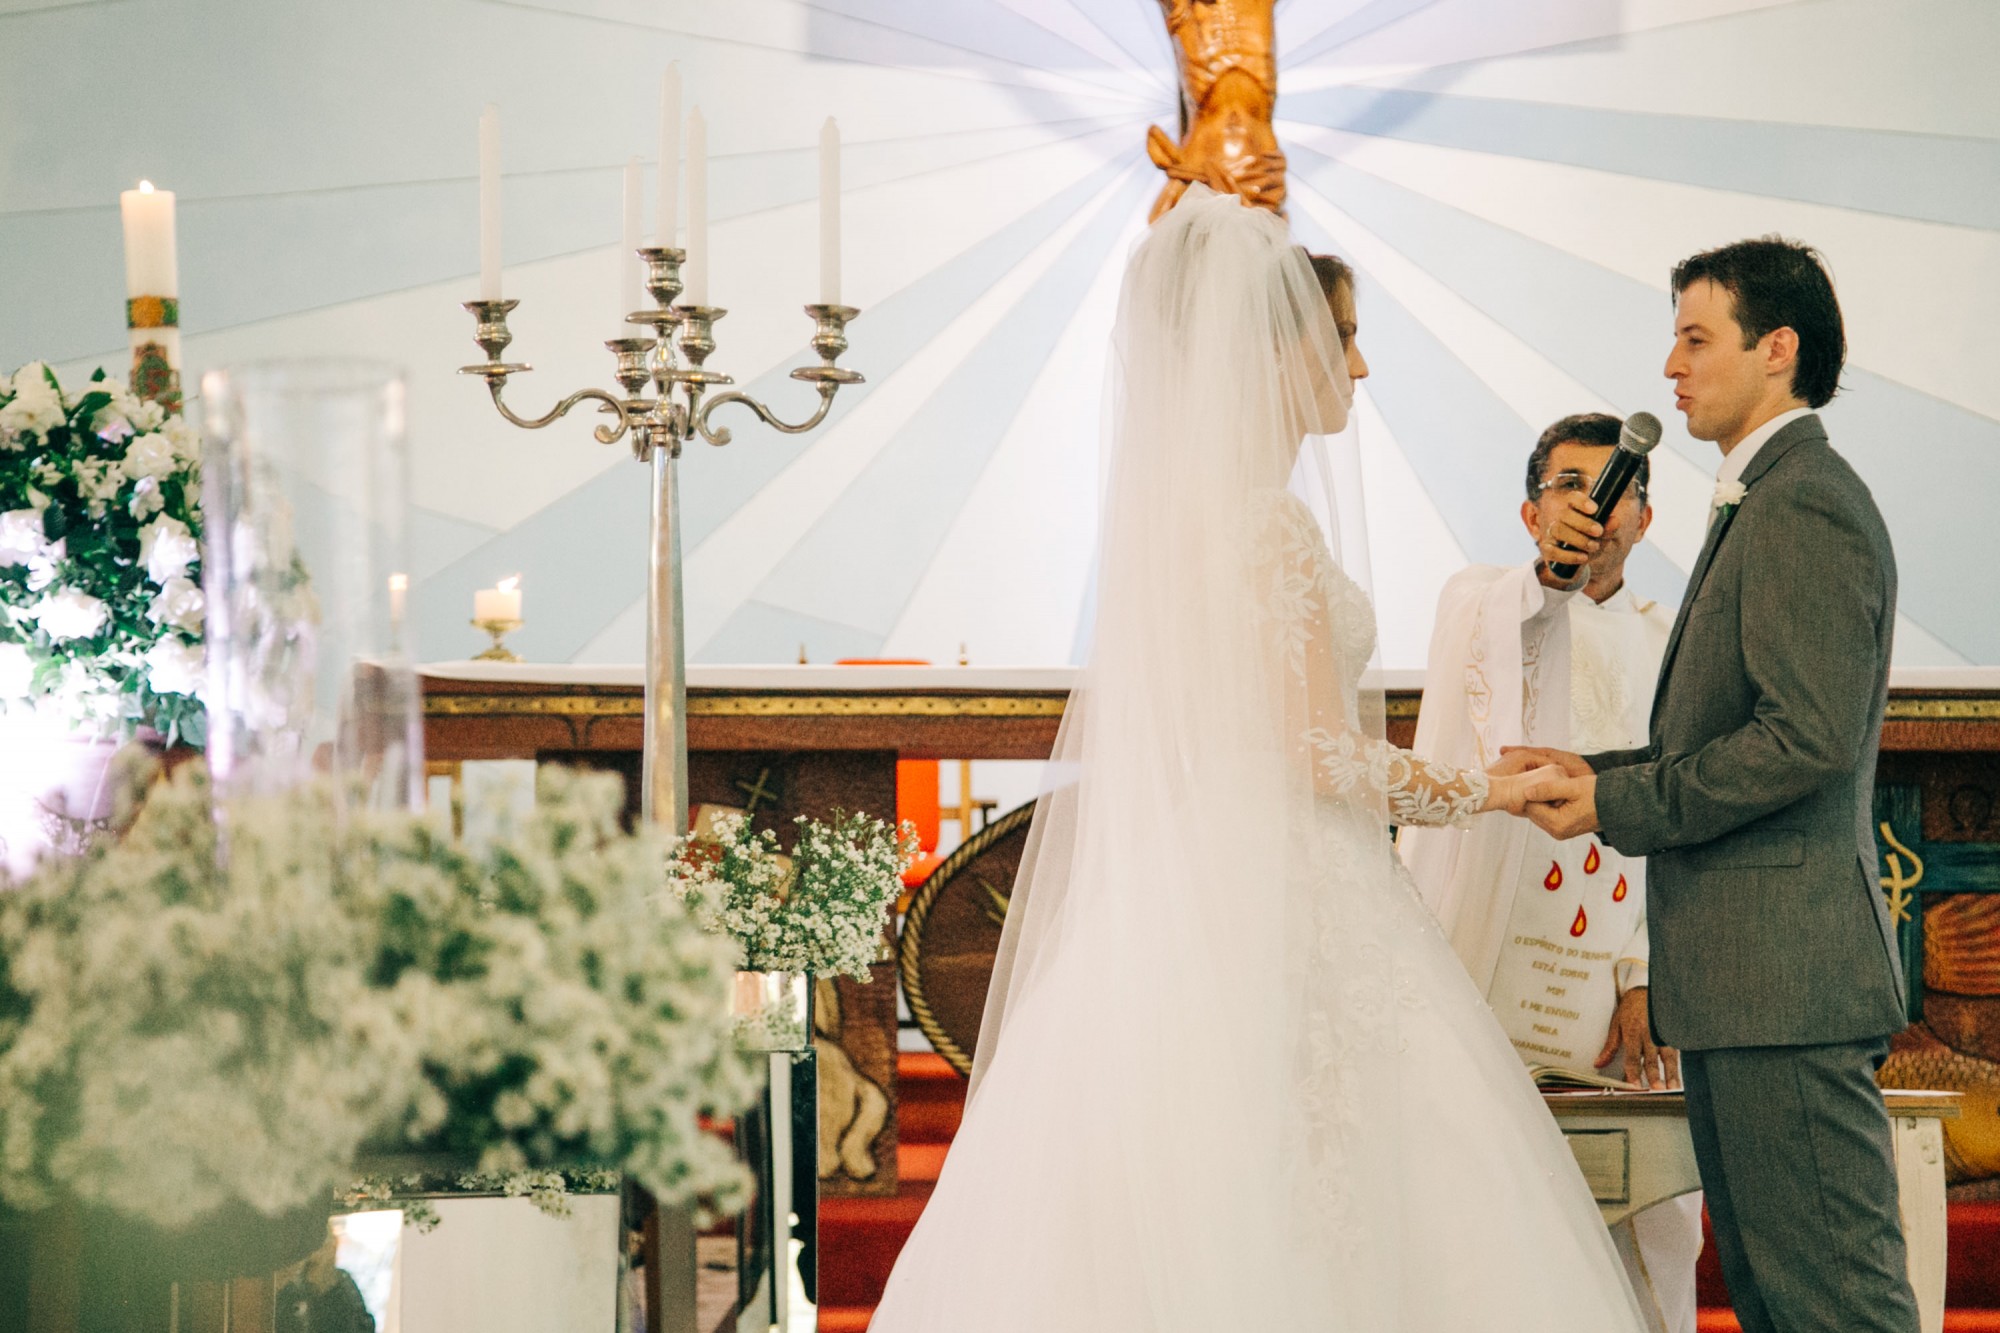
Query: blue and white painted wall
x=1513 y=181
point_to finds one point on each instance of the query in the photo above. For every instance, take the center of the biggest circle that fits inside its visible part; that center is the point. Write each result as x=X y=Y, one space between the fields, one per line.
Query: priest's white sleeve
x=1632 y=963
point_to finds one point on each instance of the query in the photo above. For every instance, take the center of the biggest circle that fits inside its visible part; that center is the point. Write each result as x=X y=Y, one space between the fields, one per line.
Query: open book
x=1551 y=1078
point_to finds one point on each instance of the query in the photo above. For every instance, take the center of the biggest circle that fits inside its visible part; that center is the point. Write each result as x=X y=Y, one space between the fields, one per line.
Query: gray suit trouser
x=1794 y=1150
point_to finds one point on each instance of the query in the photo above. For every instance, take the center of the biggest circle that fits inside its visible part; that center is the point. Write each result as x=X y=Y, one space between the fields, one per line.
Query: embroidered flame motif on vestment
x=1618 y=894
x=1554 y=879
x=1591 y=860
x=1581 y=924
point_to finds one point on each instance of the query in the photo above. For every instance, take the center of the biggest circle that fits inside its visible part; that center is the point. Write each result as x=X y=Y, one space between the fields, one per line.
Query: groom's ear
x=1531 y=518
x=1781 y=352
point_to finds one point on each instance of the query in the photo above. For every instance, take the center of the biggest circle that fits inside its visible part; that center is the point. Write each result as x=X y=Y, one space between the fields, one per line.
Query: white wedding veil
x=1168 y=902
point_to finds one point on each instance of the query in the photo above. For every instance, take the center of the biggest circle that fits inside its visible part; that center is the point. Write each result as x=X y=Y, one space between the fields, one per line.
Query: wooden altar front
x=785 y=740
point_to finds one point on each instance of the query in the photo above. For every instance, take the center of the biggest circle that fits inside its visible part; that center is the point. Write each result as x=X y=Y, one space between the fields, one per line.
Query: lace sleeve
x=1418 y=791
x=1327 y=632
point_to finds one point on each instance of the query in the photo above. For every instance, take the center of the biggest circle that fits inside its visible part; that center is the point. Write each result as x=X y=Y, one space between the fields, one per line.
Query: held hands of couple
x=1554 y=788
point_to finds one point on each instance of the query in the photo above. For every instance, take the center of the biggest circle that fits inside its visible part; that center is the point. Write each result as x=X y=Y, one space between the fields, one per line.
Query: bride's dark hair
x=1331 y=270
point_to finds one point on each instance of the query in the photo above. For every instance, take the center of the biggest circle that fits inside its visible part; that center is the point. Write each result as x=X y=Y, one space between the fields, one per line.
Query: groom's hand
x=1647 y=1064
x=1521 y=758
x=1565 y=807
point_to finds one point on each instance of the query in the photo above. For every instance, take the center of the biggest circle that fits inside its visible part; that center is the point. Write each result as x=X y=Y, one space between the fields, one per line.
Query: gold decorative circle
x=952 y=885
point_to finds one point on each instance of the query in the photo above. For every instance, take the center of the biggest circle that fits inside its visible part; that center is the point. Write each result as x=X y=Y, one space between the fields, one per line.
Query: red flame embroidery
x=1591 y=861
x=1554 y=879
x=1618 y=894
x=1581 y=924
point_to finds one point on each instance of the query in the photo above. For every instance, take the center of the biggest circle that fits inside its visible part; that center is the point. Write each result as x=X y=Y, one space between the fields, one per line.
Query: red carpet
x=860 y=1238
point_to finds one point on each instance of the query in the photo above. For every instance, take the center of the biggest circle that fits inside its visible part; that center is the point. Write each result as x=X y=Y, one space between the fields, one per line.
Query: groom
x=1774 y=964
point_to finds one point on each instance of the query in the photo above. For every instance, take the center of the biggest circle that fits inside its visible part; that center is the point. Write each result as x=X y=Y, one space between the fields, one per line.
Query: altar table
x=1635 y=1151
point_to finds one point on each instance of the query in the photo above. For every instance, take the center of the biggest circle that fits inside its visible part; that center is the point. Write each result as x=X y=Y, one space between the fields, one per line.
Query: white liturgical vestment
x=1552 y=932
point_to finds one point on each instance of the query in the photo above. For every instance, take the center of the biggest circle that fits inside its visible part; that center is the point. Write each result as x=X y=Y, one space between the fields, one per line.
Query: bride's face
x=1329 y=407
x=1341 y=303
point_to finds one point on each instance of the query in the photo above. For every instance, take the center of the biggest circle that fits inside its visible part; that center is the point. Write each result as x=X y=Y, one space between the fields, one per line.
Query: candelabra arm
x=720 y=434
x=606 y=434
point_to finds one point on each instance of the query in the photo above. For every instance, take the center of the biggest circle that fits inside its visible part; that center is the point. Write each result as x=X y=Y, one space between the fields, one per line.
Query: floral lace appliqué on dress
x=1306 y=594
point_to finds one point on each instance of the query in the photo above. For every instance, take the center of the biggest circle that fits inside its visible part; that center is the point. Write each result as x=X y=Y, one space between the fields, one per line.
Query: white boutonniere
x=1728 y=494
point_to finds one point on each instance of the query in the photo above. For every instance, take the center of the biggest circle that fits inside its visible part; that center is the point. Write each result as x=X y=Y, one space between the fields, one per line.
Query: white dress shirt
x=1737 y=460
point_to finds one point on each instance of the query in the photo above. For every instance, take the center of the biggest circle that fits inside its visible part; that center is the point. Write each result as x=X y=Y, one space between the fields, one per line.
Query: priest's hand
x=1647 y=1064
x=1521 y=758
x=1566 y=808
x=1570 y=535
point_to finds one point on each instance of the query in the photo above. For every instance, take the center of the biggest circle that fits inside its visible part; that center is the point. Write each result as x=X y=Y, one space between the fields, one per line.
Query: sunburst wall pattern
x=1513 y=182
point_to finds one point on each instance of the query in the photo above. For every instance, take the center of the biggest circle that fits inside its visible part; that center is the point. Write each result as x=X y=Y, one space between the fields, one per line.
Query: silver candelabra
x=678 y=409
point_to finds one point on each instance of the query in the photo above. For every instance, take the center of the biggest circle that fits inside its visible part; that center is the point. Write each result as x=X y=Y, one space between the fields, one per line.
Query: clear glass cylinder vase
x=305 y=492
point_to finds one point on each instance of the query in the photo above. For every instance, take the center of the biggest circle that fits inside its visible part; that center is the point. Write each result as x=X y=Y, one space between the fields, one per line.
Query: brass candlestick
x=499 y=629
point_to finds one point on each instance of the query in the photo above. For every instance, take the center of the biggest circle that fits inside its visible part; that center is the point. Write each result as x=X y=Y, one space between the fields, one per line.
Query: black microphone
x=1640 y=433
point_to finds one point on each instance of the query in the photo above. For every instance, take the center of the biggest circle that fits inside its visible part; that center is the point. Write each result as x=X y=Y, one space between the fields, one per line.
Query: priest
x=1554 y=933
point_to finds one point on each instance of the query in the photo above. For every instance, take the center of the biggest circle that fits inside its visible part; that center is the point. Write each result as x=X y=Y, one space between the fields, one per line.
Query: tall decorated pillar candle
x=152 y=294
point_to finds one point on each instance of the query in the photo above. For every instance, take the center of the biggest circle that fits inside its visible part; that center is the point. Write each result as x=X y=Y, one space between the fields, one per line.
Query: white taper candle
x=631 y=274
x=829 y=212
x=697 y=246
x=489 y=203
x=666 y=220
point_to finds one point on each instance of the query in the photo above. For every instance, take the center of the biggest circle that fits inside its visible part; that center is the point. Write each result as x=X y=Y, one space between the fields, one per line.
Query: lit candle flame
x=145 y=187
x=510 y=583
x=399 y=583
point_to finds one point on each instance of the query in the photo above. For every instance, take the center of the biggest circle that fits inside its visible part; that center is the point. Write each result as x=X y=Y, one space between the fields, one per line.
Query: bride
x=1230 y=1075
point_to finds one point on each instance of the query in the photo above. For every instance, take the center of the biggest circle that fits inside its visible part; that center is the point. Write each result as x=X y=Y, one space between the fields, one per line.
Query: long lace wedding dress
x=1231 y=1076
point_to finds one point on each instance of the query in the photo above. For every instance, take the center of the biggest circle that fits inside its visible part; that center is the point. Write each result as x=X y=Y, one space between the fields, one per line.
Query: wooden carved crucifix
x=1229 y=87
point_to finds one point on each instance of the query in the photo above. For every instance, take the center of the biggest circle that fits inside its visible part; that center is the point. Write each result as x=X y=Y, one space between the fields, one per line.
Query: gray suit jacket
x=1754 y=798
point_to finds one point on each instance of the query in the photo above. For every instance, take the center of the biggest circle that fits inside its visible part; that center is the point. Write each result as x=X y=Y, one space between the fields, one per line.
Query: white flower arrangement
x=100 y=525
x=820 y=911
x=188 y=1021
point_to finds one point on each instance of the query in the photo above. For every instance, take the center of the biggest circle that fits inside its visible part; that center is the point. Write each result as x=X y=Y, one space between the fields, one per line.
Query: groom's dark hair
x=1774 y=283
x=1597 y=429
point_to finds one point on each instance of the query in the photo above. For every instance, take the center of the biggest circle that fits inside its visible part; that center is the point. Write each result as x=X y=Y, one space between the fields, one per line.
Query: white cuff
x=1630 y=974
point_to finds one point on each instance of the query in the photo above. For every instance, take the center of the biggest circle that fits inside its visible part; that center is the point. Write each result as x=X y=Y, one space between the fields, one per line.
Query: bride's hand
x=1512 y=792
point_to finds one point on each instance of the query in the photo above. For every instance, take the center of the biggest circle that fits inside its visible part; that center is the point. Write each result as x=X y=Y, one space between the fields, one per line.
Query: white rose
x=179 y=604
x=42 y=567
x=69 y=614
x=150 y=456
x=167 y=549
x=174 y=667
x=36 y=409
x=17 y=671
x=1729 y=493
x=21 y=537
x=111 y=424
x=99 y=478
x=185 y=440
x=146 y=415
x=146 y=499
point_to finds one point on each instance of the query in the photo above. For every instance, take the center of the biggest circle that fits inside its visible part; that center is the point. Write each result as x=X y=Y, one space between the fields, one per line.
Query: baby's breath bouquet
x=100 y=578
x=192 y=1020
x=568 y=1017
x=180 y=1031
x=820 y=910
